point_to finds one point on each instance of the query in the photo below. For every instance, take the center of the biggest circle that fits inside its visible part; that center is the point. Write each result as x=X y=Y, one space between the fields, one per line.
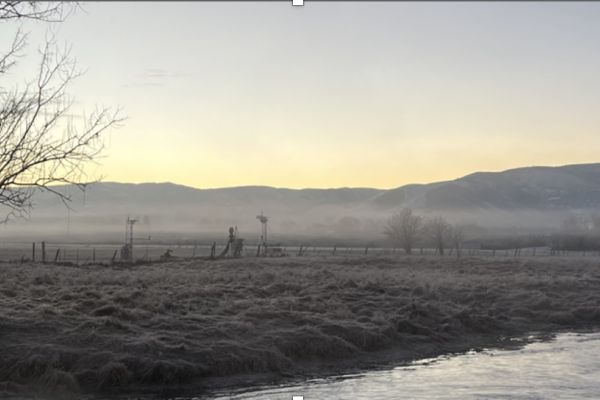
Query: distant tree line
x=513 y=242
x=408 y=230
x=557 y=242
x=579 y=232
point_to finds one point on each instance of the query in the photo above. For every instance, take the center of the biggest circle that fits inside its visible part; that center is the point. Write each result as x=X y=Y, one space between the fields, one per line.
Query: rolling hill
x=538 y=196
x=567 y=187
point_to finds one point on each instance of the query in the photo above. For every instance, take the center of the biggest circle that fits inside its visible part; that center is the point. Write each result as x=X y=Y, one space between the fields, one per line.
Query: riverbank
x=200 y=325
x=563 y=368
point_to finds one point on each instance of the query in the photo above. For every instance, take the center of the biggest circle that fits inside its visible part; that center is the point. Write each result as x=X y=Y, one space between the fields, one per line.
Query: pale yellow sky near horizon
x=337 y=94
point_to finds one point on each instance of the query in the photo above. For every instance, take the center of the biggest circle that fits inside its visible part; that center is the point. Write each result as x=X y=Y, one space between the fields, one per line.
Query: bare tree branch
x=9 y=59
x=438 y=230
x=404 y=228
x=48 y=11
x=457 y=237
x=40 y=143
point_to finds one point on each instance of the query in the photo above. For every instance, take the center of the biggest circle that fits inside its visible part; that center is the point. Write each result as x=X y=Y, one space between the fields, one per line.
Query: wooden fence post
x=33 y=251
x=43 y=252
x=94 y=254
x=57 y=254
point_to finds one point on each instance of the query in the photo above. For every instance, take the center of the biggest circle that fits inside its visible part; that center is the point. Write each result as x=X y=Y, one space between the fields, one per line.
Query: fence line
x=107 y=253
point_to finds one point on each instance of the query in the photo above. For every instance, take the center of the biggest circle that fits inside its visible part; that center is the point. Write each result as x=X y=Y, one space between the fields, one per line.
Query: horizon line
x=338 y=187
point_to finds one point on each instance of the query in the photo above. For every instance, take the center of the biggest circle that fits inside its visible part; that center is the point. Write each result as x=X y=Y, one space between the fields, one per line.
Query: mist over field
x=524 y=200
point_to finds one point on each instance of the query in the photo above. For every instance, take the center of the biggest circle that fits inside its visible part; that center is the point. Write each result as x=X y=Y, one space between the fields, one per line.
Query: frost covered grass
x=95 y=329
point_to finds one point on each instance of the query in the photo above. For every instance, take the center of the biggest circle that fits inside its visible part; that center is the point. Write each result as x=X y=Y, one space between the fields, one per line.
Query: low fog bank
x=174 y=213
x=325 y=224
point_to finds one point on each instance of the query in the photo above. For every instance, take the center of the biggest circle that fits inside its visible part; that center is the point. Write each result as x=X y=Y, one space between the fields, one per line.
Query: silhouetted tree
x=438 y=230
x=403 y=229
x=41 y=143
x=457 y=237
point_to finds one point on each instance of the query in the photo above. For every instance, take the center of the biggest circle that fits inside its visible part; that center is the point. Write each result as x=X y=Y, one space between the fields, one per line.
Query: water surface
x=565 y=368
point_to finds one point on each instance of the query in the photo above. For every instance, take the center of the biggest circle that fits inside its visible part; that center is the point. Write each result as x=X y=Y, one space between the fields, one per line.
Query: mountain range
x=541 y=194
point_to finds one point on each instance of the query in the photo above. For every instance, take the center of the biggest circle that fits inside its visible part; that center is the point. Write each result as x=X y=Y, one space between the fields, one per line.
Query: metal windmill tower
x=129 y=235
x=127 y=249
x=263 y=221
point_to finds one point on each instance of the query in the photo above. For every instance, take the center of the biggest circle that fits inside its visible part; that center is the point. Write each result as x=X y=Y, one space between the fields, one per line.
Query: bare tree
x=403 y=229
x=438 y=230
x=457 y=237
x=41 y=142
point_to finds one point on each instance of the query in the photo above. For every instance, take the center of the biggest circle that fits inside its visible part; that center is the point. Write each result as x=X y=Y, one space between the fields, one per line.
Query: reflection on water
x=566 y=368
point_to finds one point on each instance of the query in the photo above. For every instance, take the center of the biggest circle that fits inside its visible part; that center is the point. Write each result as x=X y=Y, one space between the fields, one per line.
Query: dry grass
x=69 y=330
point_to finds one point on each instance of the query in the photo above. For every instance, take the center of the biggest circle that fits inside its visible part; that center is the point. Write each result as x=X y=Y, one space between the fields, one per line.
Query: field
x=190 y=326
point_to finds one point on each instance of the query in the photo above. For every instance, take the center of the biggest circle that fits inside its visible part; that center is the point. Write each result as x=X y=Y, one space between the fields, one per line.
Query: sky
x=334 y=94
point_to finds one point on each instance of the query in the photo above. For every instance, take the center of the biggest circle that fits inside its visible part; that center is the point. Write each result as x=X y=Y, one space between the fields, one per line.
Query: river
x=567 y=367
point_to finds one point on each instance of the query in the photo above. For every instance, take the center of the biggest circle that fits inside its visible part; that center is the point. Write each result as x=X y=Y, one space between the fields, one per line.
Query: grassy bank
x=95 y=329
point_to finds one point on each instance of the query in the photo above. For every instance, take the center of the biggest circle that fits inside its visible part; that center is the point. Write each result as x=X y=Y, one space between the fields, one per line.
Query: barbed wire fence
x=80 y=254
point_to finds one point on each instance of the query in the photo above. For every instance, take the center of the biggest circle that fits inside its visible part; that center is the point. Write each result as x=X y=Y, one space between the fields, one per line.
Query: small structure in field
x=266 y=249
x=127 y=248
x=275 y=251
x=235 y=245
x=167 y=255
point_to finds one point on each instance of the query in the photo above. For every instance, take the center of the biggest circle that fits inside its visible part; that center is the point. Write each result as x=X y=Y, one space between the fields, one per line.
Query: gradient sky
x=333 y=94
